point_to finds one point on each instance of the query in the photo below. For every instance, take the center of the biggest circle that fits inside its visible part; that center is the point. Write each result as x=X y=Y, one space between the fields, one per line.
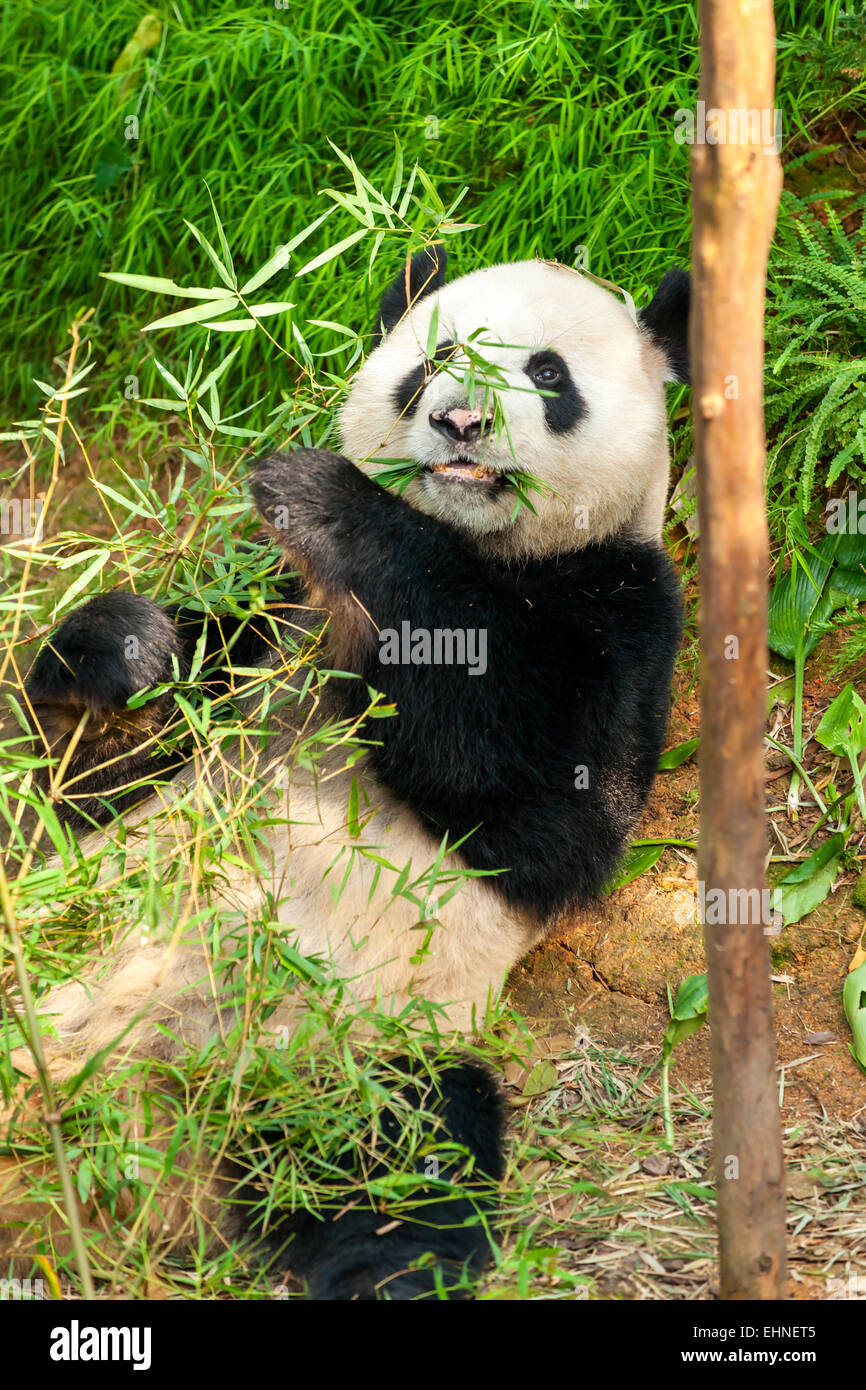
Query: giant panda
x=526 y=649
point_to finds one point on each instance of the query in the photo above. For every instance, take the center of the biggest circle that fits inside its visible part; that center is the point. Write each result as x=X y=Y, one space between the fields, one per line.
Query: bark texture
x=736 y=183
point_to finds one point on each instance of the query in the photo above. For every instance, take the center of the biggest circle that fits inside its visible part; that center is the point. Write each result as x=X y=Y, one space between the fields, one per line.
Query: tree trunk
x=736 y=184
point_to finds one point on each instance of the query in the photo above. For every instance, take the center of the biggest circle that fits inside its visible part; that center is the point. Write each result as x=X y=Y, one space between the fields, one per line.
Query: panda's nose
x=458 y=425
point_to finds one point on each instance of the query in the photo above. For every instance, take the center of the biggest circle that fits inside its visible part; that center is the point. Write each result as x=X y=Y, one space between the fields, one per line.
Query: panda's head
x=535 y=370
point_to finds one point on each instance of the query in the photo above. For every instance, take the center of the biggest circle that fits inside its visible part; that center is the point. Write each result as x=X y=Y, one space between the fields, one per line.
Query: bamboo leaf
x=213 y=376
x=233 y=326
x=158 y=285
x=266 y=311
x=843 y=727
x=205 y=245
x=83 y=581
x=332 y=252
x=170 y=380
x=638 y=859
x=802 y=890
x=196 y=315
x=854 y=1004
x=278 y=261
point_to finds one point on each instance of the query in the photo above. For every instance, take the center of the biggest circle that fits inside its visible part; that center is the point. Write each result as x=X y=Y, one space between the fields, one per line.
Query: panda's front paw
x=305 y=494
x=104 y=652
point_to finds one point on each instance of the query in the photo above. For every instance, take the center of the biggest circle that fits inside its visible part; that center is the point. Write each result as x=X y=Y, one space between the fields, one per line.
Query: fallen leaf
x=858 y=958
x=656 y=1165
x=801 y=1186
x=542 y=1078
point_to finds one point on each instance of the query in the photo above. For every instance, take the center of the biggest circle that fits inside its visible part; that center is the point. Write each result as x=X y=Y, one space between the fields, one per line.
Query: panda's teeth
x=463 y=468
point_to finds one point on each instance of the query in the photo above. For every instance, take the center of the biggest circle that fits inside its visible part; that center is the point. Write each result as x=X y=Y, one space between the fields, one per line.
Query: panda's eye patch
x=443 y=352
x=547 y=371
x=562 y=403
x=408 y=393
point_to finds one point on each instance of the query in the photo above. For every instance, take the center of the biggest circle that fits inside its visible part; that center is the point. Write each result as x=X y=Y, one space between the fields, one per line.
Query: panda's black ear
x=666 y=319
x=424 y=274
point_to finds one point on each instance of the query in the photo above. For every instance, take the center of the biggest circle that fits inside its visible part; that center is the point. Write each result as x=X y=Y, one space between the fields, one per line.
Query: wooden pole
x=736 y=180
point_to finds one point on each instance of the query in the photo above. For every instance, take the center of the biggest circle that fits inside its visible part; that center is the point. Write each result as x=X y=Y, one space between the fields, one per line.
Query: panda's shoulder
x=616 y=572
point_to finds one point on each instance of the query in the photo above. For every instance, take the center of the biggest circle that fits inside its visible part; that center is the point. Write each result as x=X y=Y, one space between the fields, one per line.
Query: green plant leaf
x=638 y=859
x=433 y=333
x=689 y=1011
x=799 y=604
x=233 y=326
x=806 y=886
x=543 y=1077
x=332 y=251
x=83 y=581
x=203 y=242
x=688 y=1014
x=843 y=727
x=84 y=1179
x=184 y=316
x=852 y=583
x=278 y=261
x=266 y=311
x=676 y=756
x=170 y=380
x=854 y=1004
x=213 y=376
x=157 y=284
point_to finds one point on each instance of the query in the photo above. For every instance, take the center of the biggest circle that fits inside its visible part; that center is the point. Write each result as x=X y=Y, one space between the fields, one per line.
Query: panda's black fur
x=580 y=650
x=86 y=667
x=361 y=1255
x=579 y=657
x=665 y=318
x=424 y=273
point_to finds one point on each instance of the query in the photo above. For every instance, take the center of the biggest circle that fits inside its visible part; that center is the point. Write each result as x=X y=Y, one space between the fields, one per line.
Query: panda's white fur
x=607 y=477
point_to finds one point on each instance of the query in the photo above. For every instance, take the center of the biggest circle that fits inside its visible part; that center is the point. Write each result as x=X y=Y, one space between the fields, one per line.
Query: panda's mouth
x=467 y=470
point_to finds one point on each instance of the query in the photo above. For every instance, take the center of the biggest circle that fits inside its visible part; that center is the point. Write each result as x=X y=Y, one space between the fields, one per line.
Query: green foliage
x=816 y=358
x=822 y=578
x=688 y=1012
x=639 y=859
x=676 y=756
x=247 y=98
x=835 y=60
x=843 y=731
